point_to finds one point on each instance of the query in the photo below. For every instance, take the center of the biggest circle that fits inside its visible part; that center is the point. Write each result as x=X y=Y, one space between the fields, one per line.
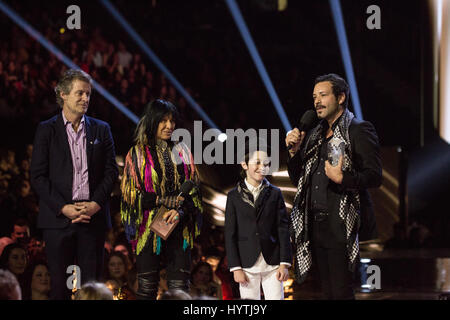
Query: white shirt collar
x=252 y=188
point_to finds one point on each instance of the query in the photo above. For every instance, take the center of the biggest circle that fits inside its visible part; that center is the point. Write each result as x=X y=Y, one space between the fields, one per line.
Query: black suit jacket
x=366 y=173
x=52 y=171
x=250 y=231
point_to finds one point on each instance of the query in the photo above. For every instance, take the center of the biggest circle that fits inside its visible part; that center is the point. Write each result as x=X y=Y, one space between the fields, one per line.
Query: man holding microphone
x=332 y=207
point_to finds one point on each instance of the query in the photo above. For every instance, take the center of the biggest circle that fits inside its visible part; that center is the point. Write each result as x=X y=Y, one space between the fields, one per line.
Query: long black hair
x=156 y=110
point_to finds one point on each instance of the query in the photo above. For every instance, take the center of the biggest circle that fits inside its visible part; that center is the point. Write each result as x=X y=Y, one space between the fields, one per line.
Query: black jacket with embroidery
x=250 y=230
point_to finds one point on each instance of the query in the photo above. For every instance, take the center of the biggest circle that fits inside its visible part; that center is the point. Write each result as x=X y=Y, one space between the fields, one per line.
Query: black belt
x=75 y=201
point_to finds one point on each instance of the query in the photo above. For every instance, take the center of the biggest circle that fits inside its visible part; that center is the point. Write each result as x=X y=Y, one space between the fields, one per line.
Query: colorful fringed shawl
x=136 y=220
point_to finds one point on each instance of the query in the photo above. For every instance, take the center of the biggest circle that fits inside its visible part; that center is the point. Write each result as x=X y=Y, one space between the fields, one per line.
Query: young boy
x=256 y=232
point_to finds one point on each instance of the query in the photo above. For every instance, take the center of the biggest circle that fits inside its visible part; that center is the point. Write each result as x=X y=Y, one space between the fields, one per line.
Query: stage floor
x=421 y=274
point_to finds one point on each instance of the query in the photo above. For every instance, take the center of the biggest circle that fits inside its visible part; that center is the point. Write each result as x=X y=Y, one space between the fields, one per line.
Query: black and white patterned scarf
x=349 y=201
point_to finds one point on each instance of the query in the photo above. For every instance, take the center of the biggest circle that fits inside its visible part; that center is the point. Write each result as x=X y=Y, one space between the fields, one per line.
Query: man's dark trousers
x=78 y=240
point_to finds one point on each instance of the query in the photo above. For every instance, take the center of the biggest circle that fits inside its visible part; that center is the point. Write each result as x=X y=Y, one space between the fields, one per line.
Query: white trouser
x=272 y=287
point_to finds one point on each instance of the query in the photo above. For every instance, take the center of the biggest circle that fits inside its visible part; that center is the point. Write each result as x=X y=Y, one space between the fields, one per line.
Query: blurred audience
x=202 y=282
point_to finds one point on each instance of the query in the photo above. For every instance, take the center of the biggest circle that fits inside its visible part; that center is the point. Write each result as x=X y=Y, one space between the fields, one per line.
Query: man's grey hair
x=65 y=84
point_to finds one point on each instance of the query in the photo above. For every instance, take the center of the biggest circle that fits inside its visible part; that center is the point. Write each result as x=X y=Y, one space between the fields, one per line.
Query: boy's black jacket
x=252 y=229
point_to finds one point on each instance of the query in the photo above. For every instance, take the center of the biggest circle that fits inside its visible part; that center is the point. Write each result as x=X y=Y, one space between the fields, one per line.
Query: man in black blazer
x=332 y=209
x=73 y=171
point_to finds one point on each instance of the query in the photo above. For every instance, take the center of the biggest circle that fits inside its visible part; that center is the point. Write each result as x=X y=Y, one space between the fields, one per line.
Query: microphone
x=185 y=188
x=307 y=122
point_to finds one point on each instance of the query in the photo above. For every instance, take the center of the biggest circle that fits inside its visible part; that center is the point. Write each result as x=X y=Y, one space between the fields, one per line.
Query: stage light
x=280 y=174
x=217 y=200
x=282 y=5
x=218 y=217
x=159 y=64
x=346 y=57
x=289 y=189
x=222 y=137
x=440 y=35
x=240 y=23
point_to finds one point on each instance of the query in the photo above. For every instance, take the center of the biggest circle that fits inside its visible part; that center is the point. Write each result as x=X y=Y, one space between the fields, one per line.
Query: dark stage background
x=200 y=44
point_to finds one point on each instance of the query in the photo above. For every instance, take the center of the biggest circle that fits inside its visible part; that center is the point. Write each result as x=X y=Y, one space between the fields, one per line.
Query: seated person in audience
x=202 y=283
x=226 y=278
x=117 y=276
x=213 y=258
x=15 y=259
x=36 y=281
x=126 y=250
x=36 y=248
x=21 y=231
x=221 y=276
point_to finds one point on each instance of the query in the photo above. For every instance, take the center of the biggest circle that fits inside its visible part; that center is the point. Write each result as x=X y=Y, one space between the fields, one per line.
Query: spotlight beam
x=159 y=64
x=240 y=23
x=345 y=52
x=62 y=57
